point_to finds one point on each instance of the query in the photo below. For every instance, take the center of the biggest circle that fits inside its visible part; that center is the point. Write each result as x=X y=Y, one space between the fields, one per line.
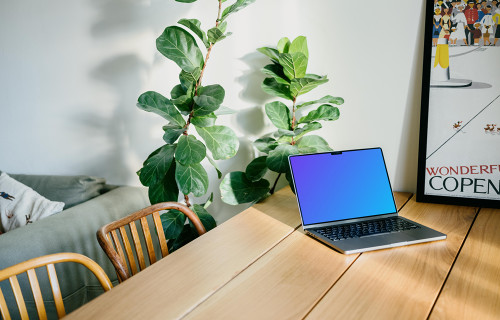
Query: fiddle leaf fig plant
x=174 y=170
x=287 y=78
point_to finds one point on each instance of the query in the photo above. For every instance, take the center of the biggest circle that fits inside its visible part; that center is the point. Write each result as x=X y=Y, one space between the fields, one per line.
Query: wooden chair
x=111 y=242
x=29 y=267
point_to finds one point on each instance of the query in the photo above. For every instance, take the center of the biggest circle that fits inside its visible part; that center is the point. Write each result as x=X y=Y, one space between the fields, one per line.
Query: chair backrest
x=29 y=267
x=113 y=242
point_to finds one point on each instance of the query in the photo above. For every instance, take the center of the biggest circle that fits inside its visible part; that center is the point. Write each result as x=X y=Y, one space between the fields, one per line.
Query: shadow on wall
x=250 y=121
x=119 y=22
x=122 y=74
x=133 y=16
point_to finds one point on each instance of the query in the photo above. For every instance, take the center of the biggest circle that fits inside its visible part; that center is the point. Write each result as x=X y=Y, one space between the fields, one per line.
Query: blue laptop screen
x=342 y=185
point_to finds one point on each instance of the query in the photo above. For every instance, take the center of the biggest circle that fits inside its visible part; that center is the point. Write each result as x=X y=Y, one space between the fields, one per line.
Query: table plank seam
x=193 y=307
x=410 y=196
x=453 y=264
x=329 y=288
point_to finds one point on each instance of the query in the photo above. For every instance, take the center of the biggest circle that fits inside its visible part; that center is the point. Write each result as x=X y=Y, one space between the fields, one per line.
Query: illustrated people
x=6 y=196
x=496 y=19
x=480 y=12
x=471 y=16
x=445 y=24
x=460 y=23
x=487 y=26
x=436 y=28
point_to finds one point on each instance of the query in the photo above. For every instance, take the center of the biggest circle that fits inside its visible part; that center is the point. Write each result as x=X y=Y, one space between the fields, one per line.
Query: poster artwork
x=463 y=130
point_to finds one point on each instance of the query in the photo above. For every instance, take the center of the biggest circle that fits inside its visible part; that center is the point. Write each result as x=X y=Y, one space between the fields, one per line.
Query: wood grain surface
x=174 y=285
x=404 y=282
x=472 y=290
x=282 y=206
x=284 y=283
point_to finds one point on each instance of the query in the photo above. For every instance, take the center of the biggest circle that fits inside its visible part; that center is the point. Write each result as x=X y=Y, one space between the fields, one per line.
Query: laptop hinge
x=334 y=223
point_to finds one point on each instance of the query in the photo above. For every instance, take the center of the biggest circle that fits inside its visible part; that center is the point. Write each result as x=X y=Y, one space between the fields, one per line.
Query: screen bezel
x=342 y=221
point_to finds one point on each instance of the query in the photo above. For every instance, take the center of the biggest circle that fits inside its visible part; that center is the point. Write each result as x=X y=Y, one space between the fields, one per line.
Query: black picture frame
x=470 y=186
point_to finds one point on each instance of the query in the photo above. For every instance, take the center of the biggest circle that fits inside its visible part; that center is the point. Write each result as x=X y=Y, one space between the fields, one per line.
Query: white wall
x=71 y=72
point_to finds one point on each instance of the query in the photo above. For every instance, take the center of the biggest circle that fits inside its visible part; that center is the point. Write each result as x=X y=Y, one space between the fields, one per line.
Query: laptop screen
x=341 y=185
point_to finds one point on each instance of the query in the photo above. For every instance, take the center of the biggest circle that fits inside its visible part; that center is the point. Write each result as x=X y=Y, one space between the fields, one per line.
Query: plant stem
x=186 y=200
x=293 y=119
x=209 y=50
x=274 y=185
x=198 y=83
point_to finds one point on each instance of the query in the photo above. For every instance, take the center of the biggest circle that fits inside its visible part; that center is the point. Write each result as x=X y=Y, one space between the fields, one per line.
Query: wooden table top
x=260 y=265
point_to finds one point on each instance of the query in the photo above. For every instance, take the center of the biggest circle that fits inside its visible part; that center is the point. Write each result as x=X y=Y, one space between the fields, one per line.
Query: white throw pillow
x=20 y=205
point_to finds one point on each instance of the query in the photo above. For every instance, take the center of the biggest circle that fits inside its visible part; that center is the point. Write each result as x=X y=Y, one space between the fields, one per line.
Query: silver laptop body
x=350 y=190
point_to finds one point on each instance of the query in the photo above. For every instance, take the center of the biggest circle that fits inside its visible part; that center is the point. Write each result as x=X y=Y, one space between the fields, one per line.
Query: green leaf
x=237 y=6
x=312 y=144
x=173 y=223
x=325 y=99
x=204 y=121
x=152 y=101
x=236 y=188
x=166 y=189
x=300 y=132
x=324 y=112
x=208 y=100
x=215 y=35
x=190 y=150
x=182 y=99
x=266 y=144
x=276 y=71
x=212 y=162
x=222 y=26
x=172 y=132
x=187 y=235
x=189 y=79
x=220 y=140
x=206 y=218
x=157 y=164
x=191 y=179
x=256 y=169
x=270 y=52
x=209 y=201
x=195 y=26
x=294 y=64
x=279 y=114
x=283 y=45
x=180 y=46
x=278 y=158
x=186 y=1
x=304 y=85
x=272 y=87
x=299 y=44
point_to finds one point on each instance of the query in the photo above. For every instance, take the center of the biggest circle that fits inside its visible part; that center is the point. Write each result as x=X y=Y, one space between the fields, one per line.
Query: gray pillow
x=71 y=190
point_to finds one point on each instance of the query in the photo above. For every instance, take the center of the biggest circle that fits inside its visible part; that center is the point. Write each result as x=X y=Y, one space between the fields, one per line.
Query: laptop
x=345 y=201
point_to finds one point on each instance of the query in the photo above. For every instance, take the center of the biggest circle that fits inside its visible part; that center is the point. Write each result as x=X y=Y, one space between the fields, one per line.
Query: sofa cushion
x=20 y=205
x=71 y=190
x=72 y=230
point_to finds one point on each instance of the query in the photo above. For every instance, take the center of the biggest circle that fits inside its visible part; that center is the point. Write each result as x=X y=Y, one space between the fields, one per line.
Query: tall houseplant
x=287 y=79
x=175 y=168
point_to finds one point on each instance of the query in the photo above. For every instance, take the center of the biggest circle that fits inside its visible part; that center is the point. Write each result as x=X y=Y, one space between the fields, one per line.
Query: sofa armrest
x=72 y=230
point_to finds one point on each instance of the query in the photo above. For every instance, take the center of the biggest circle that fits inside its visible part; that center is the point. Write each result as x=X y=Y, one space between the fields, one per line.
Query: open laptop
x=345 y=200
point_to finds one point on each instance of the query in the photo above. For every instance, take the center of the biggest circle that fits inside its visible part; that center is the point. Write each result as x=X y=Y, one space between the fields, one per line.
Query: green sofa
x=72 y=230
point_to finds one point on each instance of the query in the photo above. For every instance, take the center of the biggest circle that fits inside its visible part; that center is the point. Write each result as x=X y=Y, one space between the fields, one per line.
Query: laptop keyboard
x=366 y=228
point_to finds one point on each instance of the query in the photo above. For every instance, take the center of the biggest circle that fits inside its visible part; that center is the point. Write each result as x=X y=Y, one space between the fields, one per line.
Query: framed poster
x=459 y=147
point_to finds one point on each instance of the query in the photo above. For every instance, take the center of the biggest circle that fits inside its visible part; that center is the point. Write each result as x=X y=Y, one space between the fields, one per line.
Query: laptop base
x=382 y=241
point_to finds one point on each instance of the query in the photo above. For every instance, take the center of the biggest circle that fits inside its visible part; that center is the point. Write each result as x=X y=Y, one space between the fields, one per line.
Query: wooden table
x=260 y=265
